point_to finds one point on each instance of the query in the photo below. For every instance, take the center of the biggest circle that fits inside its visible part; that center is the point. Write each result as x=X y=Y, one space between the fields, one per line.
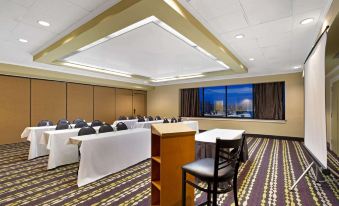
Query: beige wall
x=164 y=101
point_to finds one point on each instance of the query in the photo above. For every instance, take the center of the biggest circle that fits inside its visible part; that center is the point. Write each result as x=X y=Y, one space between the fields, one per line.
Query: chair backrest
x=86 y=131
x=121 y=126
x=165 y=120
x=141 y=119
x=150 y=118
x=81 y=124
x=157 y=118
x=122 y=118
x=225 y=158
x=174 y=120
x=106 y=128
x=62 y=126
x=78 y=120
x=131 y=117
x=63 y=121
x=179 y=119
x=96 y=123
x=43 y=123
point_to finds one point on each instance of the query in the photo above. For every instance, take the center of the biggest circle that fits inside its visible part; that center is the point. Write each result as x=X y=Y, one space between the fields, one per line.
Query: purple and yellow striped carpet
x=273 y=167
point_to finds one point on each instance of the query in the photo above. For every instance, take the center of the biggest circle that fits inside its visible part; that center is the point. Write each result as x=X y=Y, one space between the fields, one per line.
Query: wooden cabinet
x=172 y=146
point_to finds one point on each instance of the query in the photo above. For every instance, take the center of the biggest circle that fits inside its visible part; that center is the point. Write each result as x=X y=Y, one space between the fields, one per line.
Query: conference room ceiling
x=271 y=29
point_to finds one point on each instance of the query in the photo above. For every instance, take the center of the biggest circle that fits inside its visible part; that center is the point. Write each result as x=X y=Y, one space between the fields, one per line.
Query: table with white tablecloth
x=193 y=125
x=33 y=135
x=147 y=124
x=130 y=123
x=205 y=142
x=60 y=152
x=107 y=153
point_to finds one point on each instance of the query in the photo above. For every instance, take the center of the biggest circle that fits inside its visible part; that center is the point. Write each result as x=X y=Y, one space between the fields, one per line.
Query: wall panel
x=48 y=100
x=139 y=103
x=124 y=102
x=14 y=108
x=104 y=104
x=79 y=102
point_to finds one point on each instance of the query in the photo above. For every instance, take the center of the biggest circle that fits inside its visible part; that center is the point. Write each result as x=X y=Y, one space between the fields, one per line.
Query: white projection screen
x=315 y=120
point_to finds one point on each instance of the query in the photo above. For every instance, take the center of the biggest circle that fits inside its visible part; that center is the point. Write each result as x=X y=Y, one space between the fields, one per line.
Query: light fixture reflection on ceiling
x=44 y=23
x=306 y=21
x=297 y=67
x=23 y=40
x=94 y=69
x=163 y=25
x=180 y=77
x=251 y=59
x=239 y=36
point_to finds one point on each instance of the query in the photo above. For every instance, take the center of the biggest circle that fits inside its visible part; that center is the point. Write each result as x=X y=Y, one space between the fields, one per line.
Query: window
x=214 y=101
x=251 y=101
x=240 y=101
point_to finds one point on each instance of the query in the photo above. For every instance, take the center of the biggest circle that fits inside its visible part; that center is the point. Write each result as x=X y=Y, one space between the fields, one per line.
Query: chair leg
x=235 y=192
x=183 y=197
x=208 y=193
x=215 y=194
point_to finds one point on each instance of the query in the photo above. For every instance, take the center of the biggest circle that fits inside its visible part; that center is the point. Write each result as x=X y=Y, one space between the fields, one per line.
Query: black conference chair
x=157 y=118
x=179 y=119
x=86 y=131
x=106 y=128
x=78 y=120
x=97 y=123
x=141 y=119
x=222 y=169
x=165 y=120
x=63 y=121
x=43 y=123
x=150 y=118
x=122 y=118
x=81 y=124
x=121 y=126
x=131 y=117
x=174 y=120
x=63 y=126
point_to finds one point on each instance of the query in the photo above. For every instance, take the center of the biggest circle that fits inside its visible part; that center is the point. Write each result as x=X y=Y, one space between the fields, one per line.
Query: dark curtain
x=269 y=100
x=189 y=102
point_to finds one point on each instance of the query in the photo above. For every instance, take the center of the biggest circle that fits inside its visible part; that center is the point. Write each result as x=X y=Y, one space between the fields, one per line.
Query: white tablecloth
x=60 y=152
x=33 y=135
x=129 y=123
x=211 y=135
x=147 y=124
x=192 y=124
x=107 y=153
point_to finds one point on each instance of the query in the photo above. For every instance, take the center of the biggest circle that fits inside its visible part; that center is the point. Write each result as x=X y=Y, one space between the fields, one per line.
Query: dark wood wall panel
x=48 y=100
x=79 y=102
x=14 y=108
x=104 y=104
x=124 y=102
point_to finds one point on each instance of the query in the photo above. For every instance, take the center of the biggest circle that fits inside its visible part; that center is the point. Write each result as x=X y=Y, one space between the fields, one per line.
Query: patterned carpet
x=264 y=180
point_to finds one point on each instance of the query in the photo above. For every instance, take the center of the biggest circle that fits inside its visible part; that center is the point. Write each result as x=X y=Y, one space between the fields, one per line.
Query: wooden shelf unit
x=173 y=145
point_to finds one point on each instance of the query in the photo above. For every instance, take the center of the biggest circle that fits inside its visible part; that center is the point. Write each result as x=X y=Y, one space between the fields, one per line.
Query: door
x=139 y=103
x=334 y=119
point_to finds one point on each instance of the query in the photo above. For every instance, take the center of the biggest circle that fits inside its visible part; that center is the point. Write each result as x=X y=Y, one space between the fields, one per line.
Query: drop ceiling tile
x=315 y=14
x=272 y=40
x=212 y=9
x=89 y=5
x=229 y=22
x=302 y=6
x=11 y=10
x=272 y=28
x=60 y=14
x=25 y=3
x=261 y=11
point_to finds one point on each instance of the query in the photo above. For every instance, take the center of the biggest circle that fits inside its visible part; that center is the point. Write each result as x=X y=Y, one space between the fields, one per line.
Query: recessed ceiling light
x=297 y=67
x=306 y=21
x=251 y=59
x=23 y=40
x=44 y=23
x=239 y=36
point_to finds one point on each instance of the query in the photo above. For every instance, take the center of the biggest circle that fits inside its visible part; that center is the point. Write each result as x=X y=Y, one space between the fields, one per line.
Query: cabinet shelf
x=157 y=159
x=157 y=184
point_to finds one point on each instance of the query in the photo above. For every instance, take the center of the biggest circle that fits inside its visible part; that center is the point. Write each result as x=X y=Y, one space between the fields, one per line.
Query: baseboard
x=299 y=139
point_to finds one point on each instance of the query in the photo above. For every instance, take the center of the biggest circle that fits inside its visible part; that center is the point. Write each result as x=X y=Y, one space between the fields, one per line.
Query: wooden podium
x=173 y=145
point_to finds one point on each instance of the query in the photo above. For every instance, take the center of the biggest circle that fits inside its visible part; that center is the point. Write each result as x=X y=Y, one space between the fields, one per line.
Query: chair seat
x=204 y=170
